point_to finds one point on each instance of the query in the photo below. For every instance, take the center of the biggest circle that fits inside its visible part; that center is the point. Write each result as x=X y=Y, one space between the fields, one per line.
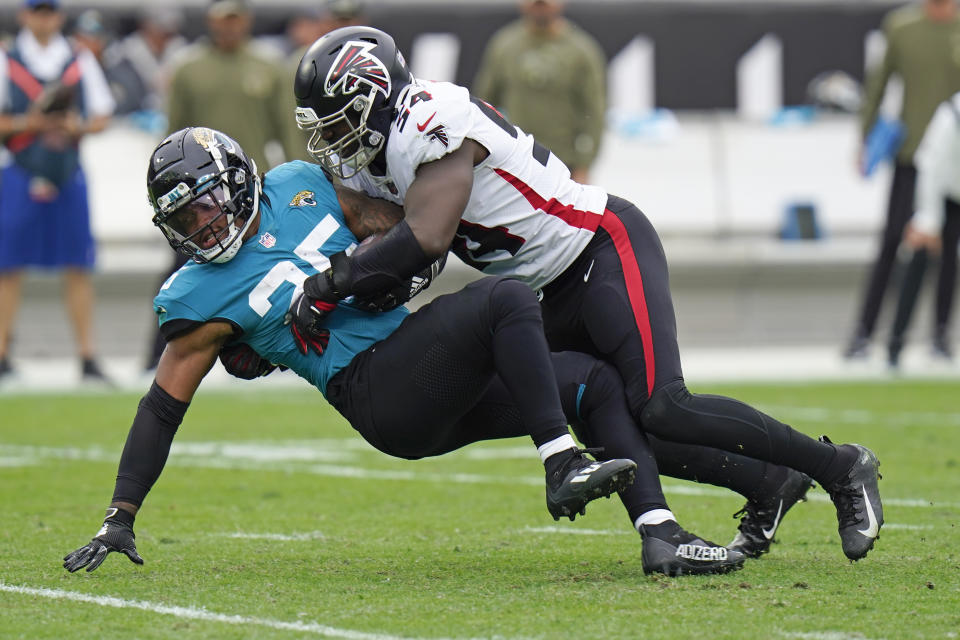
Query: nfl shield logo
x=267 y=240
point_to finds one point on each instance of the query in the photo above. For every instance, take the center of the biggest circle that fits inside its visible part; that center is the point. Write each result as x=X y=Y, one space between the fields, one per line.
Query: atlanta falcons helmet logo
x=355 y=65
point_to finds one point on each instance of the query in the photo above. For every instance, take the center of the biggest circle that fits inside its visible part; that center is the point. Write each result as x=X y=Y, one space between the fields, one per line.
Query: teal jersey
x=301 y=224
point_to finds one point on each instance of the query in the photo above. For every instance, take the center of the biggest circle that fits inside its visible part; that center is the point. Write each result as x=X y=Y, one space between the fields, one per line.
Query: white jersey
x=525 y=218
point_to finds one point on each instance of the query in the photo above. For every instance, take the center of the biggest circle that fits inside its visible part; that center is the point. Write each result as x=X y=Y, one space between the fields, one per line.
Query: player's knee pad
x=660 y=414
x=510 y=297
x=603 y=385
x=601 y=394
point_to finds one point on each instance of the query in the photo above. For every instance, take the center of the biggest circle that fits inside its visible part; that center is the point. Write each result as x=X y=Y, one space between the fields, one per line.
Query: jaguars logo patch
x=303 y=199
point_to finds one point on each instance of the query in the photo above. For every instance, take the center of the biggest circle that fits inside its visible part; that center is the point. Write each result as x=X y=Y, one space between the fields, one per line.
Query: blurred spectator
x=549 y=78
x=51 y=95
x=90 y=33
x=226 y=84
x=935 y=227
x=137 y=67
x=305 y=26
x=344 y=13
x=922 y=49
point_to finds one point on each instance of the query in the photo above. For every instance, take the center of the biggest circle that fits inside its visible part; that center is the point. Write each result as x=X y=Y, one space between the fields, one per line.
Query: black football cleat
x=577 y=480
x=762 y=518
x=857 y=499
x=673 y=551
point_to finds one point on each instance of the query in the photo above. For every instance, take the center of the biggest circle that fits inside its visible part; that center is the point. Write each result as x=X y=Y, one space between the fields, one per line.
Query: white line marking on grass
x=577 y=532
x=191 y=613
x=261 y=452
x=16 y=461
x=282 y=537
x=500 y=453
x=204 y=456
x=865 y=416
x=824 y=635
x=907 y=527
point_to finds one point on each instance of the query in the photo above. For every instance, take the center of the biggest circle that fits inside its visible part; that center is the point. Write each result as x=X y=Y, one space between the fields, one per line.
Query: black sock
x=839 y=464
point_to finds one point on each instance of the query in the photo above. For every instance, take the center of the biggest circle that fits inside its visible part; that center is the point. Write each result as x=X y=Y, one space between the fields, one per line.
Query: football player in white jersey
x=252 y=242
x=471 y=182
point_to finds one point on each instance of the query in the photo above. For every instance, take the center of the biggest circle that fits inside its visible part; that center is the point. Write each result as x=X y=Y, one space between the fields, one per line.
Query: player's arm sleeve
x=876 y=83
x=177 y=318
x=183 y=365
x=936 y=164
x=450 y=124
x=148 y=445
x=593 y=99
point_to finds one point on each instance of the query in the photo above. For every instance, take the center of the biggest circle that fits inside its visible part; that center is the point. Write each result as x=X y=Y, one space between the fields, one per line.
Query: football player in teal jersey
x=474 y=364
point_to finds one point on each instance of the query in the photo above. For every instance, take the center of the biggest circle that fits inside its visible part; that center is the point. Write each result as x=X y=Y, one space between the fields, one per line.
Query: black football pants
x=431 y=387
x=614 y=303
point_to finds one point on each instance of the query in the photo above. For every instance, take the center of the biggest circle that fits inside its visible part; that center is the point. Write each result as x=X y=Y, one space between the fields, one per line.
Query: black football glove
x=309 y=311
x=241 y=361
x=403 y=292
x=116 y=534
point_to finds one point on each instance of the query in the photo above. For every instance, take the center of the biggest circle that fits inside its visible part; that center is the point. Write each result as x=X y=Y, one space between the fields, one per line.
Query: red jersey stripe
x=638 y=301
x=574 y=217
x=24 y=79
x=72 y=73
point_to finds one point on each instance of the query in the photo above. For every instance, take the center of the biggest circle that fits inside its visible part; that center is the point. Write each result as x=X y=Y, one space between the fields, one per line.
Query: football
x=367 y=242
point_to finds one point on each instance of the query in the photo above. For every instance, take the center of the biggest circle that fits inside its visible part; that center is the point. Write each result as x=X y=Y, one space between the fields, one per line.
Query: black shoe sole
x=620 y=478
x=674 y=567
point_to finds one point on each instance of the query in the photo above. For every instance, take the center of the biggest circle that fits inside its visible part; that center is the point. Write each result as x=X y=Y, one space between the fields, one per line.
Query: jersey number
x=540 y=153
x=287 y=271
x=475 y=240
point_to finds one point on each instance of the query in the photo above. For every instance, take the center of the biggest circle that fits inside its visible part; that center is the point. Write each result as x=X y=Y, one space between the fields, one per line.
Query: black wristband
x=120 y=515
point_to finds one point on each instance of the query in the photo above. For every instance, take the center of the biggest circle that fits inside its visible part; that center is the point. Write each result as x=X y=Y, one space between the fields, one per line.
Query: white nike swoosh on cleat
x=768 y=534
x=873 y=528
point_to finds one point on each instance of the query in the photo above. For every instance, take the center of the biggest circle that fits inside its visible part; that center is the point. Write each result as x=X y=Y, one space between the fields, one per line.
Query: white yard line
x=577 y=532
x=191 y=613
x=268 y=457
x=824 y=635
x=864 y=416
x=280 y=537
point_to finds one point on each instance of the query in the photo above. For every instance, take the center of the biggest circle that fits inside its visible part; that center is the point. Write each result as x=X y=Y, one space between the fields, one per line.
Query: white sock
x=655 y=516
x=556 y=445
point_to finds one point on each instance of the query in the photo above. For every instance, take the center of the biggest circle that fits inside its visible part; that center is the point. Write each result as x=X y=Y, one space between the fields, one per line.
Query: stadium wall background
x=697 y=44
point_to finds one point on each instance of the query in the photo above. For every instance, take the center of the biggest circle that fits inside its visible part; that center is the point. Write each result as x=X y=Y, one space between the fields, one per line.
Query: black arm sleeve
x=384 y=265
x=148 y=444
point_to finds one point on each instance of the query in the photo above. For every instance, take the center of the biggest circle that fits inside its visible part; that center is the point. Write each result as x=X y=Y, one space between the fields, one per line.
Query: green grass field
x=273 y=520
